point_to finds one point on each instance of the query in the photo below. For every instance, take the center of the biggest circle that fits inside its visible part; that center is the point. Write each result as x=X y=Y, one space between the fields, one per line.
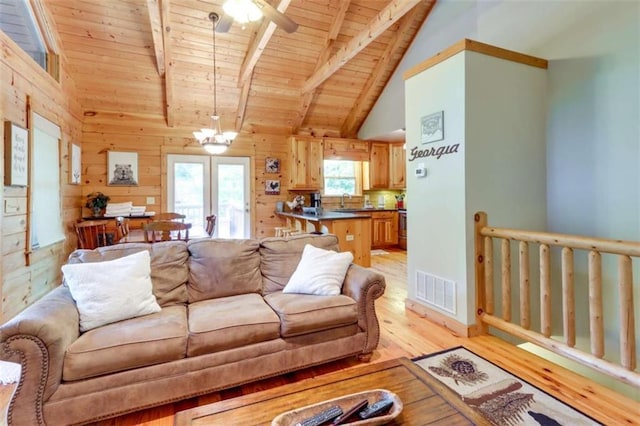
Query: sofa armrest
x=37 y=338
x=365 y=285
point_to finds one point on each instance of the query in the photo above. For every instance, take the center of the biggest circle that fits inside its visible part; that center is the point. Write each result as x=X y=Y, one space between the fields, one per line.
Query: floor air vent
x=436 y=291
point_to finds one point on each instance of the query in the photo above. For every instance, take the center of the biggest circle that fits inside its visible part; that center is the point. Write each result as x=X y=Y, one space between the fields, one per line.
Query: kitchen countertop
x=328 y=215
x=366 y=210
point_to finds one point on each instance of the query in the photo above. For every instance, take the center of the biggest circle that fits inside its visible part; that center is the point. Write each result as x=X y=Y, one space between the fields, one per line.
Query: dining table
x=137 y=235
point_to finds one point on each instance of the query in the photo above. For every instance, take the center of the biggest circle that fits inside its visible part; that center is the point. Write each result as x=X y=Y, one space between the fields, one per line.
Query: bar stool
x=282 y=231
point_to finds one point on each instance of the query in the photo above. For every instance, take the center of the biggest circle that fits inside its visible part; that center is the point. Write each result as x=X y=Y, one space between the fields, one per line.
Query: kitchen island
x=352 y=229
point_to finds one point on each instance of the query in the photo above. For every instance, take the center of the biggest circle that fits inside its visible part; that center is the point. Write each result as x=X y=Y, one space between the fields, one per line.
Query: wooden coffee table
x=426 y=401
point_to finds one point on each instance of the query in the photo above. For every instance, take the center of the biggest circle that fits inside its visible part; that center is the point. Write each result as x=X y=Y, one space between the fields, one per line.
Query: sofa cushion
x=279 y=257
x=219 y=268
x=124 y=345
x=302 y=313
x=319 y=272
x=113 y=290
x=168 y=266
x=230 y=322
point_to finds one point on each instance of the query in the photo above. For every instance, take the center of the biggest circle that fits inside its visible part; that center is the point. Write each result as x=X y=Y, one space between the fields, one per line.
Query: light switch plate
x=151 y=200
x=350 y=238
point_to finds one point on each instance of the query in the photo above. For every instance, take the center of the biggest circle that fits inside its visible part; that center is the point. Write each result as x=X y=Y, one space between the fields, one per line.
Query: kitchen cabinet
x=346 y=149
x=353 y=233
x=306 y=162
x=379 y=165
x=397 y=166
x=384 y=229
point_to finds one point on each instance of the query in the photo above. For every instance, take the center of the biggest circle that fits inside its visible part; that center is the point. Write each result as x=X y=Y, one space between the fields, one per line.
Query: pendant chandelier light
x=214 y=140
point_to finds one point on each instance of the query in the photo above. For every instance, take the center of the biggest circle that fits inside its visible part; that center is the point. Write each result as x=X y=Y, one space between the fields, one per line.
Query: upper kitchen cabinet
x=346 y=149
x=306 y=162
x=397 y=166
x=379 y=165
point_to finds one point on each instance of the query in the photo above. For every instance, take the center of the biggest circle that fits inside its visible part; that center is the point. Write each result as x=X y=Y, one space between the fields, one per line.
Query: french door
x=200 y=185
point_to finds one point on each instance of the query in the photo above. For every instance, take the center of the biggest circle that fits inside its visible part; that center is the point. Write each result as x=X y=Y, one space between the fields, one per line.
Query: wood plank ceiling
x=154 y=58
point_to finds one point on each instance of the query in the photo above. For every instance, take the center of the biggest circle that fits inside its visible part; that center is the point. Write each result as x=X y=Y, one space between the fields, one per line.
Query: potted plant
x=97 y=202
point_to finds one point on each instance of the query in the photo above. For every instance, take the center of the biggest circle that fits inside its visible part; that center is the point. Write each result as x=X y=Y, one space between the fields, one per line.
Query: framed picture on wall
x=272 y=187
x=432 y=127
x=16 y=155
x=76 y=164
x=272 y=165
x=122 y=168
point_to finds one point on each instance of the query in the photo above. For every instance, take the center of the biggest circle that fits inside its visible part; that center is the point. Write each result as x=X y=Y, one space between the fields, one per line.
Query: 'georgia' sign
x=433 y=152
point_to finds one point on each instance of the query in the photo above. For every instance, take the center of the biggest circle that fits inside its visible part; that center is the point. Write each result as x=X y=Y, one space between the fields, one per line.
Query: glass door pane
x=188 y=191
x=231 y=196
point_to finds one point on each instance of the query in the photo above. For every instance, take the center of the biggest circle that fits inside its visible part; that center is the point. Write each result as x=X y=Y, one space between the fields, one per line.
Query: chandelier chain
x=215 y=90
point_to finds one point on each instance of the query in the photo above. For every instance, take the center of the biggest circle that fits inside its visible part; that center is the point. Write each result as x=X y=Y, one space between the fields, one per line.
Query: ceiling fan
x=244 y=11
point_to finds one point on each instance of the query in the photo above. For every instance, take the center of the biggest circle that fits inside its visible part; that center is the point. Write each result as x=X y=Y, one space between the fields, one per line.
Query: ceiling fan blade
x=224 y=24
x=279 y=18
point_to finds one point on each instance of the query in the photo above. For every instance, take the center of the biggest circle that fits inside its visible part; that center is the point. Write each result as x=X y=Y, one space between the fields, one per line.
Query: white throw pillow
x=113 y=290
x=319 y=272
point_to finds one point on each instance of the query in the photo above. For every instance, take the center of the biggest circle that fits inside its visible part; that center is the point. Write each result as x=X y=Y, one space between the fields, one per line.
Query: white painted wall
x=438 y=204
x=593 y=112
x=495 y=110
x=527 y=26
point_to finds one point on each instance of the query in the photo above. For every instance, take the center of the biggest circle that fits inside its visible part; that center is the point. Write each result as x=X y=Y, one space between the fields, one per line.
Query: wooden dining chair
x=122 y=228
x=166 y=231
x=92 y=234
x=211 y=224
x=168 y=216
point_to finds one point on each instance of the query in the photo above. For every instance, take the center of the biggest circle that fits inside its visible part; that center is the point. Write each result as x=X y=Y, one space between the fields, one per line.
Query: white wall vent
x=437 y=291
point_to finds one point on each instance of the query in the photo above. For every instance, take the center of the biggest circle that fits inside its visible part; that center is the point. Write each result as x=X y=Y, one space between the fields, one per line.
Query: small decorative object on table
x=379 y=406
x=297 y=203
x=97 y=202
x=400 y=201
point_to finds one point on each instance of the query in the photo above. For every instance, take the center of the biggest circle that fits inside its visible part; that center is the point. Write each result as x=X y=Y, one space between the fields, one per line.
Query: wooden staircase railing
x=625 y=251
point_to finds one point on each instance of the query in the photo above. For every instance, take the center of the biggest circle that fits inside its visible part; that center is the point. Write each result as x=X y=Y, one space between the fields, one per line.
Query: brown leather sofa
x=224 y=322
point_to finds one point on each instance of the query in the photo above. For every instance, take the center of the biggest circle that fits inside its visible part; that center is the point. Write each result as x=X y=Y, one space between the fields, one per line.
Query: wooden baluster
x=545 y=290
x=627 y=319
x=568 y=298
x=596 y=322
x=488 y=274
x=506 y=280
x=480 y=221
x=525 y=293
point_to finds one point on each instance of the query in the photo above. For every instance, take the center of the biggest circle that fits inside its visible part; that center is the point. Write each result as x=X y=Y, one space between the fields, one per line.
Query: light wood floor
x=404 y=333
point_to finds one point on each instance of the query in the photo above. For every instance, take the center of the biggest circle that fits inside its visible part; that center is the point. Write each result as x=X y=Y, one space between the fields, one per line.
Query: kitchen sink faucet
x=342 y=199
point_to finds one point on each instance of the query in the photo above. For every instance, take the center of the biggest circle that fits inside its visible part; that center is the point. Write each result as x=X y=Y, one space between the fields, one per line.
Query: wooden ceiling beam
x=395 y=10
x=332 y=35
x=242 y=105
x=157 y=33
x=168 y=63
x=384 y=66
x=259 y=44
x=338 y=19
x=254 y=52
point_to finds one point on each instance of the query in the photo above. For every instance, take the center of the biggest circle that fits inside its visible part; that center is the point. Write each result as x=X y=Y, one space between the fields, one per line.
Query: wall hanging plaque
x=76 y=164
x=123 y=168
x=432 y=127
x=272 y=165
x=16 y=154
x=272 y=187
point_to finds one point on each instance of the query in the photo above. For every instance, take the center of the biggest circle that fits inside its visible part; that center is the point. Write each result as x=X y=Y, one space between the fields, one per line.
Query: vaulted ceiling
x=154 y=57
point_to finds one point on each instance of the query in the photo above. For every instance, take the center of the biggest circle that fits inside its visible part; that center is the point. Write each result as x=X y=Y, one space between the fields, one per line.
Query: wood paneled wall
x=23 y=81
x=152 y=139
